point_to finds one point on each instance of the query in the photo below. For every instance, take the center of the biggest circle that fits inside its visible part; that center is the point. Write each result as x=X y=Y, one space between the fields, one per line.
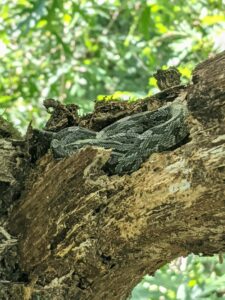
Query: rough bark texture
x=85 y=235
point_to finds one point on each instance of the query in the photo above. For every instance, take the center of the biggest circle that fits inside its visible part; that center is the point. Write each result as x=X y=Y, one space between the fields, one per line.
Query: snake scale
x=132 y=139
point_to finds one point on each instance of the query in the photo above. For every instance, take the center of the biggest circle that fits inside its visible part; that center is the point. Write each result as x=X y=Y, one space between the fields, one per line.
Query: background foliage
x=191 y=278
x=78 y=51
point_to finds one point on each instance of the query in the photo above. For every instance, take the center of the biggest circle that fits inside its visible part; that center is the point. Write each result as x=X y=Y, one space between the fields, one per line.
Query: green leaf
x=4 y=99
x=144 y=21
x=211 y=20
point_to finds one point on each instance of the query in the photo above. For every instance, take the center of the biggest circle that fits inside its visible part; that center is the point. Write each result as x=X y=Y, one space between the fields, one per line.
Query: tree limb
x=85 y=235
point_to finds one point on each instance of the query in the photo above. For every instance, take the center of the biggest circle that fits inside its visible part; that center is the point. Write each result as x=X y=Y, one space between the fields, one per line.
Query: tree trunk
x=70 y=231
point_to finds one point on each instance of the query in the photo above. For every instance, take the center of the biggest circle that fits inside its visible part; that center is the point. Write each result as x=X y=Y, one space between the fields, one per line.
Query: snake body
x=132 y=139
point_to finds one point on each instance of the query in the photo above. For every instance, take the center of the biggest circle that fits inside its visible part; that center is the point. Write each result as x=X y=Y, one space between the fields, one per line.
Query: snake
x=131 y=139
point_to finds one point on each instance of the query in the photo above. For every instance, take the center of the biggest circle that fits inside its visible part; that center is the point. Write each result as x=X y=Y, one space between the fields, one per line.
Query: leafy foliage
x=186 y=278
x=75 y=51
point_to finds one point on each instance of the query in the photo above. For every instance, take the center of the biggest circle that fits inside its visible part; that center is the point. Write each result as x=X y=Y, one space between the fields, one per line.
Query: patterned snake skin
x=132 y=139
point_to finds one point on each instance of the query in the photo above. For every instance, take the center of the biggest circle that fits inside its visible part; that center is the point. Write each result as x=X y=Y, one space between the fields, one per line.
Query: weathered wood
x=85 y=235
x=13 y=165
x=105 y=112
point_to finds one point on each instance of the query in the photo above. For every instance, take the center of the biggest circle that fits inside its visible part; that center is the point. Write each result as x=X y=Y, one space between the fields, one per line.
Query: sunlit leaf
x=192 y=283
x=211 y=20
x=41 y=23
x=5 y=98
x=67 y=18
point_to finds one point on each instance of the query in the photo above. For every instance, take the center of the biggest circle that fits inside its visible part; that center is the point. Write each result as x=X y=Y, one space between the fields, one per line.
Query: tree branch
x=85 y=235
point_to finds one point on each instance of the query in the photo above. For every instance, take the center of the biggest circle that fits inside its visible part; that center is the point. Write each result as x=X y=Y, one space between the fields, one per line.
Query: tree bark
x=76 y=233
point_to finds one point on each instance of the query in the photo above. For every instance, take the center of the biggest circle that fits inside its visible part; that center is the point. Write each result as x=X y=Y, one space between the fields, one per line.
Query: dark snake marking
x=132 y=139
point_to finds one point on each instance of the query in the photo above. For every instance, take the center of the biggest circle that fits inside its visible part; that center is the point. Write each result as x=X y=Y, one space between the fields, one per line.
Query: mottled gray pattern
x=132 y=139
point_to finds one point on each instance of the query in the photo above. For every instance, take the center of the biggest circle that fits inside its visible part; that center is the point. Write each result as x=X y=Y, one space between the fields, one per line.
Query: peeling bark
x=85 y=235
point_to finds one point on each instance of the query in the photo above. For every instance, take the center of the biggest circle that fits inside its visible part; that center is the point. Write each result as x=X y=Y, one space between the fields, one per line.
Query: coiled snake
x=132 y=139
